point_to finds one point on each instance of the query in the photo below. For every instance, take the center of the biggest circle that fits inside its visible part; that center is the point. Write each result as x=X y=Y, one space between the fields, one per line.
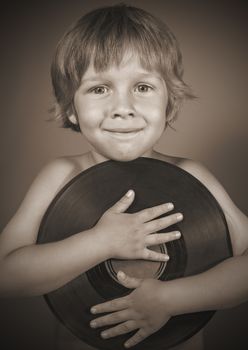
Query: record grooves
x=79 y=205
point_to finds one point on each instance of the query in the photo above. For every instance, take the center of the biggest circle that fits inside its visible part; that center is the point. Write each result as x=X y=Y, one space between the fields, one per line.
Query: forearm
x=39 y=269
x=223 y=286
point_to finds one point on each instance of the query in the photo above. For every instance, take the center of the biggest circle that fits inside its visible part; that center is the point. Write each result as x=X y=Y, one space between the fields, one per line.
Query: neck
x=96 y=158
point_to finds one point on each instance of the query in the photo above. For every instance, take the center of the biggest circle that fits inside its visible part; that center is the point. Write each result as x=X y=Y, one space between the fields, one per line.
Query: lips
x=123 y=134
x=122 y=130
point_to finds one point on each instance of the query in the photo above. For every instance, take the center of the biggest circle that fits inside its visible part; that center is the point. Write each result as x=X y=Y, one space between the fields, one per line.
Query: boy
x=117 y=78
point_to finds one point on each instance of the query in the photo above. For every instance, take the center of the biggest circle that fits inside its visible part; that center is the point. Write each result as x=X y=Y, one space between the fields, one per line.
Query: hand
x=127 y=236
x=143 y=309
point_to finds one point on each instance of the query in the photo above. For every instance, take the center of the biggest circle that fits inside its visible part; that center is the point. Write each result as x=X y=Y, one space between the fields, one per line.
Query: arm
x=30 y=269
x=223 y=286
x=152 y=302
x=226 y=284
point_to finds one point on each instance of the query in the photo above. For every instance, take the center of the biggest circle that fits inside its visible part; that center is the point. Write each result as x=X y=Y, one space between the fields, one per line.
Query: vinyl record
x=79 y=205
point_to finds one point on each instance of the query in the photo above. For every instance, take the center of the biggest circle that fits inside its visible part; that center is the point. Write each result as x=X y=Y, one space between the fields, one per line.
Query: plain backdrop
x=211 y=129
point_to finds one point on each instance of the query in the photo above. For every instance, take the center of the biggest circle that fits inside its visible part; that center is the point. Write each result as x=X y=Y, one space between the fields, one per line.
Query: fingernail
x=170 y=206
x=179 y=216
x=178 y=234
x=129 y=193
x=93 y=324
x=121 y=274
x=127 y=345
x=104 y=335
x=166 y=257
x=93 y=310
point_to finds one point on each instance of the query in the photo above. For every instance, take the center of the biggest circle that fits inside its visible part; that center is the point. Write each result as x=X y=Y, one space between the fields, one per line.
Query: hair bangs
x=111 y=41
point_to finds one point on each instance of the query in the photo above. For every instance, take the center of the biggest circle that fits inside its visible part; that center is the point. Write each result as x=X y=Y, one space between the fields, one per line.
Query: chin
x=127 y=157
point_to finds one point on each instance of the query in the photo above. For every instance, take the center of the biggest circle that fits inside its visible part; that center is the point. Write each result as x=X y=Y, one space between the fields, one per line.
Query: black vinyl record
x=79 y=205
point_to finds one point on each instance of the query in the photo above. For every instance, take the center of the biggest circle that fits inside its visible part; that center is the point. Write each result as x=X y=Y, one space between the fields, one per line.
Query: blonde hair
x=102 y=37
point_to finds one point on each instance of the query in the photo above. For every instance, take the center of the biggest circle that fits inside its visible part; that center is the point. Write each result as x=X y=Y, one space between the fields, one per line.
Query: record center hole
x=138 y=268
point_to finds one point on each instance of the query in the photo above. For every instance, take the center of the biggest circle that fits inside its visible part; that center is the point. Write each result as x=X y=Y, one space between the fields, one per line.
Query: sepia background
x=211 y=129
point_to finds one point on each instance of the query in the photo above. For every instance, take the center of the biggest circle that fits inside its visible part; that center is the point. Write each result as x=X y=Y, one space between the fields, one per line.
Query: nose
x=122 y=106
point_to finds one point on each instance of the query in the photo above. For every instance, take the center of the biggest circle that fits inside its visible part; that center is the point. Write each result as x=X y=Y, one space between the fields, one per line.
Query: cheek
x=156 y=114
x=88 y=111
x=88 y=116
x=157 y=104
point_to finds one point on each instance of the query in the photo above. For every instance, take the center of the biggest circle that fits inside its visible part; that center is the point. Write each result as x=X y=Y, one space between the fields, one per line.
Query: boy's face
x=121 y=111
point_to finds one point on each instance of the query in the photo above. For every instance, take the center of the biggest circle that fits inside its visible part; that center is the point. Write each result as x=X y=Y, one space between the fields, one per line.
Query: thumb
x=127 y=281
x=123 y=203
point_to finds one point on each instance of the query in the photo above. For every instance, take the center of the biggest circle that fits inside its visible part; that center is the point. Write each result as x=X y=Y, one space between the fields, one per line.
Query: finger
x=154 y=256
x=160 y=238
x=127 y=281
x=122 y=204
x=122 y=328
x=137 y=338
x=159 y=224
x=110 y=306
x=153 y=212
x=113 y=318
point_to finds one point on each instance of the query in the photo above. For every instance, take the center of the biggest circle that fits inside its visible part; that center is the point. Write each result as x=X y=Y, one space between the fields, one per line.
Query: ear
x=73 y=119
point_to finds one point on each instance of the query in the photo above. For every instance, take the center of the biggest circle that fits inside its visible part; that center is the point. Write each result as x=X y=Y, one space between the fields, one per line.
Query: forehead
x=131 y=63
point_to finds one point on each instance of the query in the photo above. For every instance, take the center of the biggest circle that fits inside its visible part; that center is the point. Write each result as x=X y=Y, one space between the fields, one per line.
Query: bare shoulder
x=58 y=172
x=24 y=225
x=52 y=177
x=236 y=220
x=201 y=173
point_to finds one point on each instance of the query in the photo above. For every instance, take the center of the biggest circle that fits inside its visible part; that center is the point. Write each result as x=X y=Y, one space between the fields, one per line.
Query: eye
x=99 y=90
x=143 y=88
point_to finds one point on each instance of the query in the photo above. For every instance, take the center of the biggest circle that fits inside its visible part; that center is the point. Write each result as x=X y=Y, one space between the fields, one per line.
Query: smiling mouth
x=123 y=134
